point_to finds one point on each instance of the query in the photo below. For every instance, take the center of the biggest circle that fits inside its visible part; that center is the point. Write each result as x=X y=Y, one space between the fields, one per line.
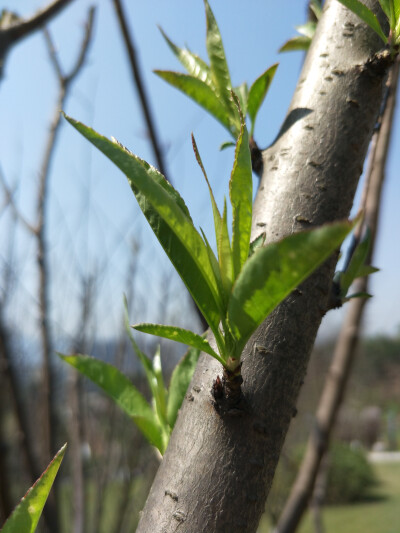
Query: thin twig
x=16 y=28
x=23 y=28
x=9 y=201
x=138 y=79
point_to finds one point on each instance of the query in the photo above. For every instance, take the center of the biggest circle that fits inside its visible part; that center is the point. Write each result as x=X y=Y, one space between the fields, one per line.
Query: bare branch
x=15 y=28
x=138 y=79
x=53 y=54
x=9 y=200
x=23 y=28
x=65 y=79
x=84 y=46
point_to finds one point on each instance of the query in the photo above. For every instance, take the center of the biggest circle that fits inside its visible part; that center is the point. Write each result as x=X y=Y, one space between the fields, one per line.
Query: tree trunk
x=216 y=473
x=346 y=346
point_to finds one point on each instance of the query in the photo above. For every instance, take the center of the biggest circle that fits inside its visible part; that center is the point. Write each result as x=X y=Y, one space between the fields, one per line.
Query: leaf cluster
x=233 y=291
x=210 y=84
x=155 y=421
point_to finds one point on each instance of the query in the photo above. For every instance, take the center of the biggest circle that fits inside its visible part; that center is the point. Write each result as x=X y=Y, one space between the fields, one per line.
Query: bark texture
x=217 y=471
x=346 y=347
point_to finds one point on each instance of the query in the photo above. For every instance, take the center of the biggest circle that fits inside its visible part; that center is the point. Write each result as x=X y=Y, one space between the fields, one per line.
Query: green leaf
x=386 y=8
x=180 y=379
x=125 y=395
x=25 y=516
x=217 y=275
x=169 y=221
x=225 y=253
x=179 y=335
x=226 y=144
x=218 y=65
x=258 y=92
x=396 y=21
x=225 y=277
x=216 y=213
x=200 y=92
x=358 y=295
x=241 y=195
x=365 y=14
x=257 y=243
x=194 y=65
x=396 y=9
x=356 y=262
x=316 y=7
x=307 y=29
x=242 y=92
x=160 y=396
x=274 y=271
x=366 y=270
x=296 y=43
x=145 y=361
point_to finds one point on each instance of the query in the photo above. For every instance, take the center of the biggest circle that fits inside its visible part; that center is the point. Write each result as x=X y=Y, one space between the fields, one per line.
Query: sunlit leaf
x=226 y=144
x=25 y=516
x=160 y=397
x=396 y=12
x=225 y=253
x=199 y=91
x=242 y=92
x=296 y=43
x=258 y=92
x=170 y=223
x=396 y=21
x=274 y=271
x=241 y=195
x=365 y=14
x=316 y=7
x=307 y=29
x=217 y=275
x=216 y=213
x=179 y=335
x=257 y=243
x=357 y=260
x=218 y=65
x=180 y=379
x=194 y=65
x=125 y=395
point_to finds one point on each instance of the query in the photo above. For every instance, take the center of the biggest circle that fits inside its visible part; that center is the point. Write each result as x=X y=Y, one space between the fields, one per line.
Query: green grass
x=379 y=515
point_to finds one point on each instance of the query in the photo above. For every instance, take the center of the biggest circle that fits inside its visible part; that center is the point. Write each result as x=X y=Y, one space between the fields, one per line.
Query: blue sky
x=93 y=217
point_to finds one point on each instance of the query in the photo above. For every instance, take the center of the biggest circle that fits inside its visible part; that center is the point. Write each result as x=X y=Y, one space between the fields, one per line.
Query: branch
x=138 y=79
x=63 y=79
x=9 y=200
x=14 y=28
x=345 y=350
x=19 y=30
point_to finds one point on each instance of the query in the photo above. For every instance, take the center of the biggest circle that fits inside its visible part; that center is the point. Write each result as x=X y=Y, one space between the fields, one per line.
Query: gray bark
x=217 y=471
x=346 y=347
